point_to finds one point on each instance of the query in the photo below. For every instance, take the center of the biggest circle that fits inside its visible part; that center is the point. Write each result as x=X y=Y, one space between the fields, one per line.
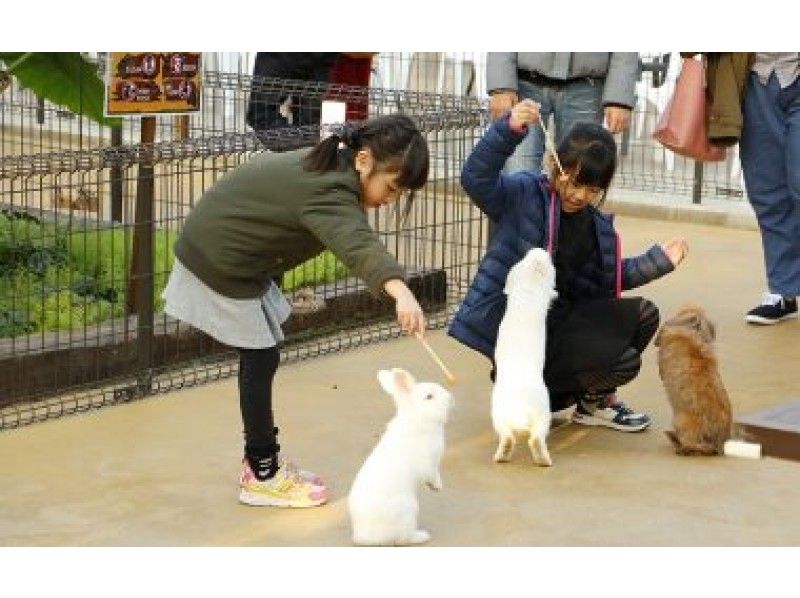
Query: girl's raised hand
x=524 y=113
x=676 y=250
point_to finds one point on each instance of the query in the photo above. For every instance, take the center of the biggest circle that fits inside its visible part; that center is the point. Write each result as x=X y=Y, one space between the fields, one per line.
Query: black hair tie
x=350 y=137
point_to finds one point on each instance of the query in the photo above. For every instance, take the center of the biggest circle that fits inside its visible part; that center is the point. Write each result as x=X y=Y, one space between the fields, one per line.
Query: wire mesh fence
x=88 y=217
x=29 y=125
x=86 y=250
x=645 y=165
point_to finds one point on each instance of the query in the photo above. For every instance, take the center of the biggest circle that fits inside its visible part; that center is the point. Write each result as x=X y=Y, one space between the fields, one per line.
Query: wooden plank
x=777 y=429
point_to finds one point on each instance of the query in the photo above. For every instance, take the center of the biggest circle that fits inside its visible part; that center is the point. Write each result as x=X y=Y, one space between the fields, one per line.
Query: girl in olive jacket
x=264 y=218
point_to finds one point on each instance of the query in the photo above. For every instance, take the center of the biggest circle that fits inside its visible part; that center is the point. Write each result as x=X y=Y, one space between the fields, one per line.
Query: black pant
x=623 y=370
x=263 y=107
x=256 y=371
x=566 y=390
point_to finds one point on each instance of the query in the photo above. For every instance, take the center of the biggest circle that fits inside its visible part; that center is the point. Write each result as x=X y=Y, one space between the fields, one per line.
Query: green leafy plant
x=321 y=269
x=52 y=279
x=63 y=78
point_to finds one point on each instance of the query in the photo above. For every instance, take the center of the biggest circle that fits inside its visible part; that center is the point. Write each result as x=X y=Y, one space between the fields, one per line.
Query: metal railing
x=86 y=241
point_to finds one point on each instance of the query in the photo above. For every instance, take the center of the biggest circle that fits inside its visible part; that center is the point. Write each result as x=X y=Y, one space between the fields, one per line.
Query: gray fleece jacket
x=620 y=70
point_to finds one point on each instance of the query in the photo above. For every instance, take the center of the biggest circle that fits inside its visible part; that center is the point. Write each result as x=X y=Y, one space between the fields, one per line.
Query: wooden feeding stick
x=548 y=141
x=451 y=379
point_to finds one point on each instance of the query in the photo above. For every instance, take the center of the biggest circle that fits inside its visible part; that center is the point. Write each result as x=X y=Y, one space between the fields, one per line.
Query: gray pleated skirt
x=246 y=323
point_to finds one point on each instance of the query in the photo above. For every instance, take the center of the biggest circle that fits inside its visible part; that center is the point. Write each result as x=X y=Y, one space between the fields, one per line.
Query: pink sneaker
x=285 y=489
x=306 y=476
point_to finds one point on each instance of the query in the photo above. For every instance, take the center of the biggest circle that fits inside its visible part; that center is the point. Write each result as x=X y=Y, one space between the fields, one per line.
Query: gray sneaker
x=614 y=414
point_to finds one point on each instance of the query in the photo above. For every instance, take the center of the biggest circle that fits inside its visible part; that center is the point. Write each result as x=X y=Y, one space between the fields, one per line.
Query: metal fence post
x=116 y=178
x=697 y=187
x=39 y=110
x=143 y=264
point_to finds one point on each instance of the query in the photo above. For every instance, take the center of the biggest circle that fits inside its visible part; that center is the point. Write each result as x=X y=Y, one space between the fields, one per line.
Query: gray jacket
x=619 y=69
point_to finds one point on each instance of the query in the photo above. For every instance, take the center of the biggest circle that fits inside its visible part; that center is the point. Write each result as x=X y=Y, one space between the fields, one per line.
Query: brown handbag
x=683 y=127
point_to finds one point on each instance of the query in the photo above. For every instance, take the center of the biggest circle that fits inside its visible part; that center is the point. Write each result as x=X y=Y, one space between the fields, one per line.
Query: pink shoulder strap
x=619 y=266
x=551 y=221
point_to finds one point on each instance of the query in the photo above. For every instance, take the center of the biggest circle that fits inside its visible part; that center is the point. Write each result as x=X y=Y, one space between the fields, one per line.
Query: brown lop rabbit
x=688 y=369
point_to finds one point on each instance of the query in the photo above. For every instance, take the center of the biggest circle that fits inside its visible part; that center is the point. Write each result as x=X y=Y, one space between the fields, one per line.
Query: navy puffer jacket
x=526 y=213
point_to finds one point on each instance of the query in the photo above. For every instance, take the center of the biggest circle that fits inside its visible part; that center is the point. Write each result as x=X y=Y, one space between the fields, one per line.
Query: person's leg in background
x=528 y=154
x=353 y=70
x=276 y=108
x=770 y=150
x=262 y=106
x=579 y=100
x=789 y=99
x=307 y=108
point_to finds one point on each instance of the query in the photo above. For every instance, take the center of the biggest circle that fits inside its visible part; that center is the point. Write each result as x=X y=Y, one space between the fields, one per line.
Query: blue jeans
x=770 y=155
x=576 y=100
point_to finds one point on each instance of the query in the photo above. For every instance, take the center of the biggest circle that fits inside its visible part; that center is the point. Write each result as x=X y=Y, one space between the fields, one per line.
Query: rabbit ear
x=404 y=382
x=396 y=381
x=689 y=319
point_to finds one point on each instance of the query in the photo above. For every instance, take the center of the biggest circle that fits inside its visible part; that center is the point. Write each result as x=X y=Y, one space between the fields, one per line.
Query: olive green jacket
x=726 y=82
x=269 y=215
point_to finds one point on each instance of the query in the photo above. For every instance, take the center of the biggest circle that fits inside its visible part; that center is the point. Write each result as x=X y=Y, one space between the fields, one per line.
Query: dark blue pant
x=574 y=101
x=770 y=154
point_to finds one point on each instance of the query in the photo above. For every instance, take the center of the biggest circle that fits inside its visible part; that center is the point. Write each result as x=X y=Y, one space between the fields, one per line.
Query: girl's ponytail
x=394 y=140
x=325 y=155
x=396 y=145
x=351 y=136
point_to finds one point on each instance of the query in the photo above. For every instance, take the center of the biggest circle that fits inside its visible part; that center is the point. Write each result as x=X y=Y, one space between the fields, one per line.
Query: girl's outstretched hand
x=676 y=250
x=409 y=312
x=524 y=113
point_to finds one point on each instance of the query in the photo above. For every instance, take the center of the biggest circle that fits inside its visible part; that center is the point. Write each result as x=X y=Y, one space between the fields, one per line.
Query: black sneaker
x=773 y=309
x=614 y=414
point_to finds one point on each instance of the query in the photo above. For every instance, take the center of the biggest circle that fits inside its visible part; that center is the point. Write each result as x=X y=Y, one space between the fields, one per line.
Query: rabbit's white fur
x=382 y=502
x=520 y=400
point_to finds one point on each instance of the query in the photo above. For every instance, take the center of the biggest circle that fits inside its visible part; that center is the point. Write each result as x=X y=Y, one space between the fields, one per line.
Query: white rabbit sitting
x=383 y=500
x=520 y=400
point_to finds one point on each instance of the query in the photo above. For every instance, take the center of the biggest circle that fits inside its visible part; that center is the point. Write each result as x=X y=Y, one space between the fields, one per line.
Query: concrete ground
x=163 y=471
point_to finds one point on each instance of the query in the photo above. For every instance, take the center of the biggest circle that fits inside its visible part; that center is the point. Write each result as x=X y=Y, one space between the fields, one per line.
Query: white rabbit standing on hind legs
x=520 y=400
x=383 y=503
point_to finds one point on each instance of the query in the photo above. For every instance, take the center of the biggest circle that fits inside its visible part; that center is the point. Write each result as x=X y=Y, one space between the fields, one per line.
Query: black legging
x=256 y=371
x=623 y=371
